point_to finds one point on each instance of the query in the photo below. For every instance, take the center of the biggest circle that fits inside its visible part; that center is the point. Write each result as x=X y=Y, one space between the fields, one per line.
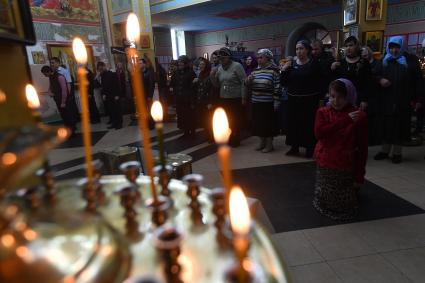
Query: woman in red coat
x=341 y=152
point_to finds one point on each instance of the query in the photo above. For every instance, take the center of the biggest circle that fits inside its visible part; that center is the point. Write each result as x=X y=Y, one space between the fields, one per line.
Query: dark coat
x=396 y=101
x=359 y=74
x=149 y=82
x=185 y=97
x=110 y=85
x=325 y=61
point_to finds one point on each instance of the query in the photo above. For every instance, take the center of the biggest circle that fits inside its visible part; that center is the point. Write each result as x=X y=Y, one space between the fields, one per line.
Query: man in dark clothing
x=58 y=88
x=356 y=69
x=418 y=88
x=325 y=60
x=111 y=94
x=94 y=112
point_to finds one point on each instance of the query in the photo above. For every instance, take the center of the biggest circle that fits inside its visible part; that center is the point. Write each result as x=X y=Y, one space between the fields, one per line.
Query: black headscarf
x=306 y=44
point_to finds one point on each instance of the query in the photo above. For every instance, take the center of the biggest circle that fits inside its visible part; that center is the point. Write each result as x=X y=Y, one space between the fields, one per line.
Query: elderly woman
x=341 y=152
x=185 y=96
x=230 y=78
x=398 y=78
x=302 y=79
x=264 y=83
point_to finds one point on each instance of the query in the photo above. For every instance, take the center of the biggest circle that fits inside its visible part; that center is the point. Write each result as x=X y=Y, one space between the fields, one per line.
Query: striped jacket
x=265 y=85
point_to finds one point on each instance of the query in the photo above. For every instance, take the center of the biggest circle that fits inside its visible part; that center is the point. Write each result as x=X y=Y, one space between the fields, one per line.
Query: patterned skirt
x=335 y=195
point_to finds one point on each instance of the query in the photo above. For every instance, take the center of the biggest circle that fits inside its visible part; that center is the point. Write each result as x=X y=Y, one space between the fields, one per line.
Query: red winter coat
x=342 y=143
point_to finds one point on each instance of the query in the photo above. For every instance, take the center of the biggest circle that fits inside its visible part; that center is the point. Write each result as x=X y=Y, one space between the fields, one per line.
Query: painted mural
x=73 y=11
x=270 y=8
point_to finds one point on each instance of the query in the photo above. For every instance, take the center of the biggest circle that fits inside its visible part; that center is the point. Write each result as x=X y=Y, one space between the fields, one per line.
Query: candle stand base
x=158 y=209
x=167 y=242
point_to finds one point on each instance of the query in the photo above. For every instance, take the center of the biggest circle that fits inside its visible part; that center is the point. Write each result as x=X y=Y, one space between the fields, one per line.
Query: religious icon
x=145 y=41
x=38 y=57
x=374 y=10
x=350 y=12
x=374 y=39
x=16 y=21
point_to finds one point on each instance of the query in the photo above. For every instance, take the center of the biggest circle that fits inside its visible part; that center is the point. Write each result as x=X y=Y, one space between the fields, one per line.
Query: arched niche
x=307 y=31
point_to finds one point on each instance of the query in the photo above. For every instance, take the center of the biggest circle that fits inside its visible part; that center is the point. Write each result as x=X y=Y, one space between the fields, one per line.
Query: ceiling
x=225 y=14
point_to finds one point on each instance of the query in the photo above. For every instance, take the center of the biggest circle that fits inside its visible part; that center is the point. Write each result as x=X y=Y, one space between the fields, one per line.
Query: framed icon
x=374 y=10
x=375 y=40
x=66 y=56
x=350 y=12
x=16 y=22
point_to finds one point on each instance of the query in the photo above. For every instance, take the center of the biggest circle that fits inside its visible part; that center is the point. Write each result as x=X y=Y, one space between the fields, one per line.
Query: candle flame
x=133 y=28
x=8 y=240
x=239 y=212
x=2 y=97
x=221 y=126
x=79 y=50
x=32 y=97
x=9 y=158
x=156 y=111
x=62 y=133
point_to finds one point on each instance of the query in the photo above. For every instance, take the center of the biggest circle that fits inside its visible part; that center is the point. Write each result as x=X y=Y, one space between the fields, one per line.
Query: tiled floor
x=388 y=250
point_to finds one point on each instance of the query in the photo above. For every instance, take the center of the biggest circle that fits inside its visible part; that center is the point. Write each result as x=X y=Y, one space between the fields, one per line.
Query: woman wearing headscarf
x=204 y=99
x=182 y=83
x=230 y=78
x=264 y=83
x=341 y=152
x=302 y=79
x=399 y=91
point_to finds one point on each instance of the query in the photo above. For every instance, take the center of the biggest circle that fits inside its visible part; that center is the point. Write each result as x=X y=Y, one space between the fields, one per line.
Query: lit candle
x=240 y=222
x=157 y=114
x=33 y=101
x=80 y=54
x=221 y=136
x=133 y=34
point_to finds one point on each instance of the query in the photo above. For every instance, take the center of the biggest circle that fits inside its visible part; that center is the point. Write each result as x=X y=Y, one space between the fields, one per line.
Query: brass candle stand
x=193 y=183
x=132 y=170
x=167 y=242
x=107 y=247
x=164 y=176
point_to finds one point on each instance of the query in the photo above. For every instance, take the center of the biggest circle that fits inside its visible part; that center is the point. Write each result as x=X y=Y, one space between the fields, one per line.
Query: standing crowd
x=329 y=106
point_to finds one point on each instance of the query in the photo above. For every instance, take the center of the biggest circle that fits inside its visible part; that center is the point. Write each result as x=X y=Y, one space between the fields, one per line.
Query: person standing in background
x=397 y=79
x=204 y=100
x=111 y=95
x=303 y=80
x=184 y=92
x=325 y=60
x=94 y=112
x=59 y=90
x=264 y=83
x=356 y=69
x=230 y=78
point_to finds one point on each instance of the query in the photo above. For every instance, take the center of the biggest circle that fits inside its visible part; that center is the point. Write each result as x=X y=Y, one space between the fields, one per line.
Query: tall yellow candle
x=80 y=54
x=240 y=222
x=133 y=34
x=221 y=136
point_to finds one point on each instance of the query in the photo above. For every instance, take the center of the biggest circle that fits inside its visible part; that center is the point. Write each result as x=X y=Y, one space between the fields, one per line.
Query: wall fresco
x=72 y=11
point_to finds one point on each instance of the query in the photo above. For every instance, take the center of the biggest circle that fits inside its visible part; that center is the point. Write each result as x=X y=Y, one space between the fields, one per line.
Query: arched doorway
x=307 y=31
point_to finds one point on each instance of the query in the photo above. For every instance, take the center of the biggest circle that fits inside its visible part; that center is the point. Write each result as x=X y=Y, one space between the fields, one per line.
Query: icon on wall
x=374 y=10
x=205 y=56
x=16 y=21
x=375 y=40
x=350 y=12
x=38 y=57
x=145 y=41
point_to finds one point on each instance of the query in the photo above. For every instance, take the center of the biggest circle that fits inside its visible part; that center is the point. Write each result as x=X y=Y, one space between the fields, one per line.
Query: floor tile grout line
x=396 y=268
